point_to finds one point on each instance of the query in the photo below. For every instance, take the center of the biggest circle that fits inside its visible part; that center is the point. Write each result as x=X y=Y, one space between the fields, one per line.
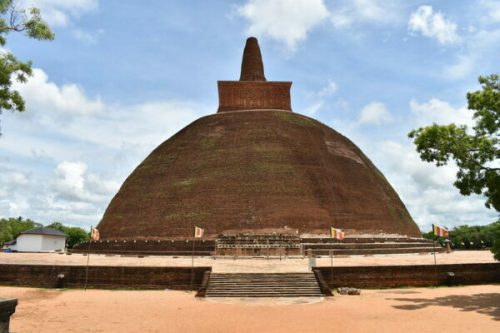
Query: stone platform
x=262 y=245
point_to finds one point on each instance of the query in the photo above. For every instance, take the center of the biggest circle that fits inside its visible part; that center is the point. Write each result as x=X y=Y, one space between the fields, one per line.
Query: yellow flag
x=198 y=232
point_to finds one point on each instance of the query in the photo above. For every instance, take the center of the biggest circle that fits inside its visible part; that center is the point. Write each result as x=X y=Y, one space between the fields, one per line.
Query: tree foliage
x=12 y=227
x=476 y=150
x=75 y=235
x=472 y=237
x=30 y=22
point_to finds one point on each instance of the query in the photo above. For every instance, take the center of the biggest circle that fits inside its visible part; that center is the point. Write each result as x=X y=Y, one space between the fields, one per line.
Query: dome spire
x=252 y=91
x=252 y=68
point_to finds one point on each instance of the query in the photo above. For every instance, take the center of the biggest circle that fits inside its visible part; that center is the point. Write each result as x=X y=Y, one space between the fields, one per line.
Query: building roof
x=11 y=242
x=44 y=231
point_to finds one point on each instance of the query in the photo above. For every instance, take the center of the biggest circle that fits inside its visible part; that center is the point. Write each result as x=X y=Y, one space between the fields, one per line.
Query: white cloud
x=61 y=12
x=374 y=113
x=346 y=13
x=427 y=190
x=492 y=8
x=480 y=52
x=69 y=98
x=64 y=158
x=440 y=112
x=291 y=21
x=433 y=25
x=463 y=66
x=311 y=110
x=87 y=37
x=11 y=178
x=70 y=179
x=73 y=182
x=328 y=90
x=286 y=21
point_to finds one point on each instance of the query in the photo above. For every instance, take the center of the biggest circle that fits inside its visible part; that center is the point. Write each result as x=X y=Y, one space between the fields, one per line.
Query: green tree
x=470 y=237
x=12 y=227
x=476 y=150
x=75 y=235
x=13 y=19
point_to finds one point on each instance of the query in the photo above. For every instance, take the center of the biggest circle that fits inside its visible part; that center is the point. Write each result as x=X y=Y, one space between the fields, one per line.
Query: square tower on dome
x=252 y=91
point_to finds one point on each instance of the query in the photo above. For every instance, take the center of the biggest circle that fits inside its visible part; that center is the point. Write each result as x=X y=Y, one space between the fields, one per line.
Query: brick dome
x=255 y=167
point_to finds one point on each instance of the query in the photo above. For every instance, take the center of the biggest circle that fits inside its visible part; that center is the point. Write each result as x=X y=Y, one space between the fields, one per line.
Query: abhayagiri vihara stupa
x=255 y=168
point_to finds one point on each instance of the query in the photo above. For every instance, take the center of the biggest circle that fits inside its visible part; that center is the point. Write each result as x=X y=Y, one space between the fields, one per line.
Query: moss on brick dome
x=255 y=170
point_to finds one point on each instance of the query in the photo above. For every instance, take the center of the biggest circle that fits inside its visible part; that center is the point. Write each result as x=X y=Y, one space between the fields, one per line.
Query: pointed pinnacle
x=252 y=68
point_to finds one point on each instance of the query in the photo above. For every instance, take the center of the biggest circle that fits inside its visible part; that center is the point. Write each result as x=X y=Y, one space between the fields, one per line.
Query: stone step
x=264 y=282
x=256 y=285
x=264 y=295
x=263 y=289
x=263 y=285
x=366 y=245
x=267 y=280
x=263 y=275
x=366 y=240
x=326 y=252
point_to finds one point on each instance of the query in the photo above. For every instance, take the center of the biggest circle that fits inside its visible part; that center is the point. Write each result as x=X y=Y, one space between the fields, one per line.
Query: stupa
x=255 y=168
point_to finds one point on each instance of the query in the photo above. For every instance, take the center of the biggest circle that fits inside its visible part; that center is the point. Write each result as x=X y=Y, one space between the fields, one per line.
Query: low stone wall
x=102 y=277
x=406 y=276
x=149 y=247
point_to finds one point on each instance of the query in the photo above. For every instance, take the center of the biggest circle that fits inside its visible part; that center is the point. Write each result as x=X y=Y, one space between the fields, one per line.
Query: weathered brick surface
x=254 y=95
x=416 y=276
x=254 y=171
x=103 y=277
x=151 y=247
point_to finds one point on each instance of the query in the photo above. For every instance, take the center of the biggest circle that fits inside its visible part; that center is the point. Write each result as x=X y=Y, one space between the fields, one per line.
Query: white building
x=40 y=240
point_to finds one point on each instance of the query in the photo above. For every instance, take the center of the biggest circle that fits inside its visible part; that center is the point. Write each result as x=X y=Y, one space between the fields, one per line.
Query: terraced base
x=356 y=247
x=263 y=285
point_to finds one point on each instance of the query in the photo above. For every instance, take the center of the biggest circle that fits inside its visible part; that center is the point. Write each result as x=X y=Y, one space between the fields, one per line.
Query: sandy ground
x=224 y=265
x=457 y=309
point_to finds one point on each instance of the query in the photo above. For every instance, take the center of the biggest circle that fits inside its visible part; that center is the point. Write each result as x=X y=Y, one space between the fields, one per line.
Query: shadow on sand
x=487 y=304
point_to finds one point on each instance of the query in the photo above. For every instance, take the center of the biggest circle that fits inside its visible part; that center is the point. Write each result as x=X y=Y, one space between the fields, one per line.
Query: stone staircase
x=263 y=285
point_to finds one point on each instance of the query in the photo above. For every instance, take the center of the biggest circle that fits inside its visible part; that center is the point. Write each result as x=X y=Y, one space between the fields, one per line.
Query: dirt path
x=458 y=309
x=247 y=265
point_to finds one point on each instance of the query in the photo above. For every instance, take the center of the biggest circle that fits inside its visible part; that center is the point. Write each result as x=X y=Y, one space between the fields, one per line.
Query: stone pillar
x=7 y=309
x=311 y=259
x=447 y=243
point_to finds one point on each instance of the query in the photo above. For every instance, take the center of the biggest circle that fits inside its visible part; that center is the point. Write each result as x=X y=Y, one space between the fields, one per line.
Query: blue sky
x=123 y=76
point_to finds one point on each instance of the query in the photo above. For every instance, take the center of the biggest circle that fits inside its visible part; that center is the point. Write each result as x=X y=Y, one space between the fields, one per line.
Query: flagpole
x=434 y=244
x=192 y=263
x=88 y=259
x=331 y=264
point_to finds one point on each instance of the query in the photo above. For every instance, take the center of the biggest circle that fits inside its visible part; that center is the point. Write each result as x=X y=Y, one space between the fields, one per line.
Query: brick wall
x=119 y=277
x=103 y=277
x=403 y=276
x=151 y=247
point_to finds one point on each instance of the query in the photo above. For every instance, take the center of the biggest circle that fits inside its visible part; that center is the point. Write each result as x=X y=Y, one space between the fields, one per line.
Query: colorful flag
x=94 y=234
x=440 y=231
x=337 y=233
x=198 y=232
